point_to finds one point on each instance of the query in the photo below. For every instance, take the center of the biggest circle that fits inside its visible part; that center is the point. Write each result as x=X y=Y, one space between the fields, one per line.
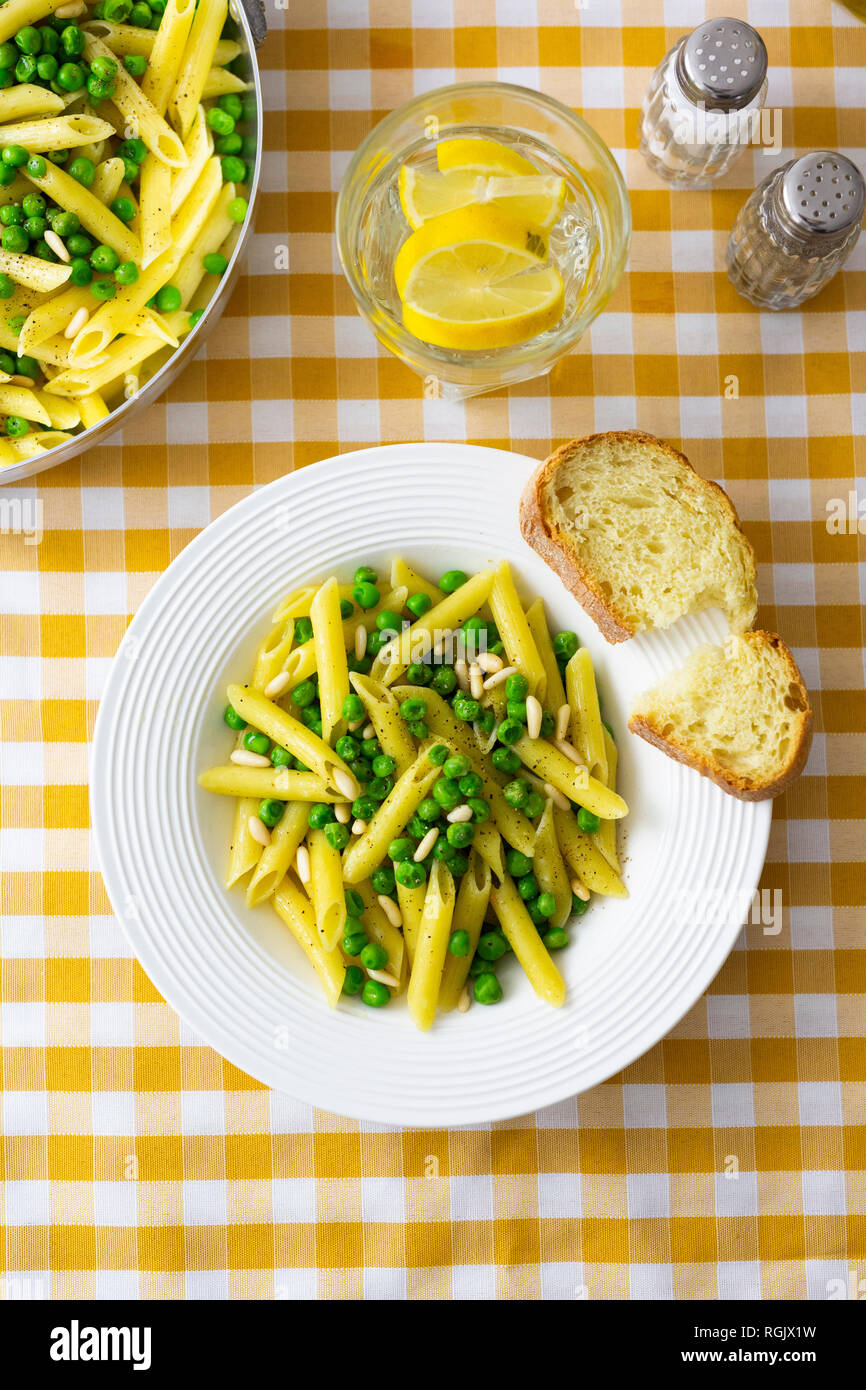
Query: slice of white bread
x=739 y=714
x=637 y=535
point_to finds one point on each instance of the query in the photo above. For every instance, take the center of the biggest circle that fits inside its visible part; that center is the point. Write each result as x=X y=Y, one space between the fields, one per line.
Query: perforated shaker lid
x=722 y=64
x=824 y=193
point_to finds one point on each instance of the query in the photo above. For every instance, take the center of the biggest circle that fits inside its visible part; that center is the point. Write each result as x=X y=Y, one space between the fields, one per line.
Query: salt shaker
x=796 y=229
x=704 y=103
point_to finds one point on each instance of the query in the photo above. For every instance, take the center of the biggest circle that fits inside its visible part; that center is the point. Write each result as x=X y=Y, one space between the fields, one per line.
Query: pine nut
x=343 y=812
x=130 y=385
x=345 y=783
x=439 y=645
x=359 y=826
x=244 y=758
x=384 y=978
x=360 y=641
x=533 y=716
x=302 y=864
x=76 y=323
x=57 y=246
x=368 y=731
x=390 y=909
x=356 y=724
x=259 y=831
x=460 y=813
x=579 y=891
x=426 y=844
x=563 y=719
x=499 y=676
x=461 y=671
x=489 y=662
x=569 y=751
x=557 y=797
x=476 y=681
x=18 y=380
x=278 y=686
x=70 y=11
x=465 y=1000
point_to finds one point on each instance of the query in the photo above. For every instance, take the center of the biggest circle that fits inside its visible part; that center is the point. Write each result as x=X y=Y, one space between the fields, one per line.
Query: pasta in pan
x=407 y=797
x=126 y=142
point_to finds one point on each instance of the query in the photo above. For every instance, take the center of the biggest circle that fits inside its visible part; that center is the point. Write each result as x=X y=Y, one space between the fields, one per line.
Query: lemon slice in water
x=484 y=156
x=476 y=279
x=533 y=198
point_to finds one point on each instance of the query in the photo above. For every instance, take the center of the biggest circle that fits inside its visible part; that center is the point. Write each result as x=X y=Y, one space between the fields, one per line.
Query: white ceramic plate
x=692 y=854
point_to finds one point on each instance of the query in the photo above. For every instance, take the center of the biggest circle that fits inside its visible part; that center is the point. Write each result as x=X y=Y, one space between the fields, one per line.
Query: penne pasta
x=131 y=38
x=199 y=148
x=452 y=610
x=26 y=100
x=330 y=655
x=289 y=733
x=574 y=782
x=15 y=14
x=155 y=210
x=605 y=837
x=33 y=273
x=197 y=61
x=275 y=859
x=411 y=902
x=326 y=881
x=93 y=215
x=522 y=935
x=554 y=690
x=245 y=850
x=295 y=909
x=549 y=868
x=107 y=180
x=277 y=783
x=166 y=52
x=514 y=630
x=383 y=707
x=139 y=113
x=55 y=132
x=587 y=862
x=586 y=717
x=393 y=815
x=473 y=897
x=431 y=946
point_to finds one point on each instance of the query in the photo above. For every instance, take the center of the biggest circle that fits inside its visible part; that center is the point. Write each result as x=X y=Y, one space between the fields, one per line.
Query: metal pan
x=252 y=28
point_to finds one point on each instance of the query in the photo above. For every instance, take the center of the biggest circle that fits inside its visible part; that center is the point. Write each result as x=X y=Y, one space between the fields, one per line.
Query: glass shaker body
x=796 y=230
x=692 y=128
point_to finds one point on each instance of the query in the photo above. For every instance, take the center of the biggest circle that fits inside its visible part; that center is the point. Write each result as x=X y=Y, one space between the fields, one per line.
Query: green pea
x=231 y=102
x=370 y=748
x=516 y=709
x=429 y=810
x=80 y=272
x=79 y=244
x=29 y=39
x=8 y=55
x=492 y=945
x=83 y=170
x=588 y=821
x=444 y=682
x=409 y=874
x=134 y=149
x=416 y=828
x=487 y=989
x=27 y=366
x=352 y=708
x=527 y=886
x=548 y=724
x=354 y=902
x=389 y=621
x=364 y=574
x=233 y=719
x=71 y=78
x=35 y=227
x=451 y=580
x=480 y=967
x=233 y=169
x=303 y=626
x=44 y=252
x=256 y=742
x=376 y=641
x=535 y=804
x=565 y=644
x=347 y=608
x=546 y=904
x=447 y=793
x=14 y=240
x=401 y=849
x=64 y=223
x=299 y=766
x=8 y=173
x=7 y=363
x=461 y=835
x=555 y=939
x=281 y=757
x=380 y=787
x=471 y=784
x=418 y=729
x=354 y=939
x=220 y=121
x=229 y=144
x=347 y=748
x=465 y=708
x=457 y=766
x=312 y=714
x=509 y=731
x=437 y=755
x=419 y=604
x=271 y=812
x=366 y=595
x=7 y=286
x=237 y=209
x=517 y=792
x=16 y=155
x=337 y=835
x=383 y=879
x=578 y=905
x=458 y=864
x=419 y=673
x=304 y=694
x=215 y=264
x=11 y=215
x=126 y=273
x=16 y=426
x=505 y=760
x=359 y=769
x=16 y=323
x=383 y=765
x=319 y=815
x=47 y=66
x=516 y=687
x=72 y=40
x=375 y=994
x=413 y=708
x=7 y=79
x=25 y=68
x=354 y=980
x=459 y=943
x=33 y=205
x=517 y=863
x=480 y=809
x=167 y=300
x=442 y=850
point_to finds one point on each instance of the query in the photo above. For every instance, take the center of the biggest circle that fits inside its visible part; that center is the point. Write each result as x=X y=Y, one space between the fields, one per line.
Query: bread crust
x=546 y=540
x=728 y=781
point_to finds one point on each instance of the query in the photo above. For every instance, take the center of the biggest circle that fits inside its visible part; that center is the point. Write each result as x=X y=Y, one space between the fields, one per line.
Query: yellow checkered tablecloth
x=731 y=1159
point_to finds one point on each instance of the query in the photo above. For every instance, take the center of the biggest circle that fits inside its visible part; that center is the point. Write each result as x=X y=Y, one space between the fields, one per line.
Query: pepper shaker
x=702 y=102
x=796 y=230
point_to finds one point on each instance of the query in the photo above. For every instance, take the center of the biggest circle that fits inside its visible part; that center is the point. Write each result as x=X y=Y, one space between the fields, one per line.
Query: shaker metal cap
x=824 y=192
x=722 y=64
